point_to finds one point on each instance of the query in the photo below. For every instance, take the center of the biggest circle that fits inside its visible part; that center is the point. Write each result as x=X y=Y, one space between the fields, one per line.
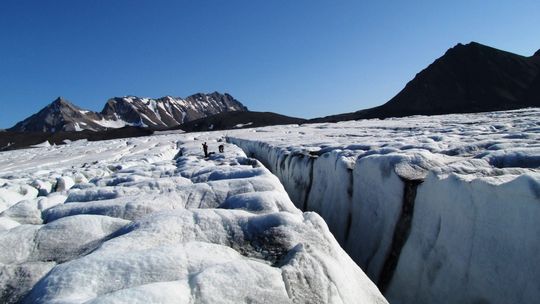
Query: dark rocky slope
x=466 y=79
x=237 y=120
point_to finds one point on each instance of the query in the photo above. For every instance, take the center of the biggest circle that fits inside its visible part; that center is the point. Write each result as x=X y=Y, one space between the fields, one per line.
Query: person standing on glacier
x=205 y=149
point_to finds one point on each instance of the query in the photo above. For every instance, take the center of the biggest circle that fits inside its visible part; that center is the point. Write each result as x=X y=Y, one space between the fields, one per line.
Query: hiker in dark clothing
x=205 y=149
x=221 y=148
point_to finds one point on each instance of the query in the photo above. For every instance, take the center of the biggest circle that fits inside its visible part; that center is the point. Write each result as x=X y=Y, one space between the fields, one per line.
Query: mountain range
x=161 y=113
x=467 y=78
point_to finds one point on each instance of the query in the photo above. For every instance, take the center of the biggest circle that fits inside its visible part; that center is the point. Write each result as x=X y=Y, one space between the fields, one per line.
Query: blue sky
x=299 y=58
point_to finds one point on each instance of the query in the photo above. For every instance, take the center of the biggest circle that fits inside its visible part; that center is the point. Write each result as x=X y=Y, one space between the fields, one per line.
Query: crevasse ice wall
x=429 y=222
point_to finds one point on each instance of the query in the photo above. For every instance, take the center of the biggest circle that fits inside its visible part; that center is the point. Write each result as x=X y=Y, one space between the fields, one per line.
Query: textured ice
x=150 y=220
x=437 y=209
x=440 y=209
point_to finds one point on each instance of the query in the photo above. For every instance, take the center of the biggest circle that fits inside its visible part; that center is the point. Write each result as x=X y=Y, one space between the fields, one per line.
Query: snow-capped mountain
x=165 y=112
x=168 y=111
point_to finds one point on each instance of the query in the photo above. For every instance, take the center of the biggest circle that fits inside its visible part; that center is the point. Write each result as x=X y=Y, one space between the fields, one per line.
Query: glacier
x=150 y=220
x=419 y=209
x=435 y=209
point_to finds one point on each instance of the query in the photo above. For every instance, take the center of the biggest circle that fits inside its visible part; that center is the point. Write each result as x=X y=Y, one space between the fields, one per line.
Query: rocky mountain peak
x=468 y=78
x=60 y=103
x=472 y=47
x=61 y=100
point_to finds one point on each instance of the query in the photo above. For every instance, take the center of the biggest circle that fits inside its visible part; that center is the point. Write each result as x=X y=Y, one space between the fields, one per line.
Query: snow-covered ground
x=441 y=209
x=150 y=220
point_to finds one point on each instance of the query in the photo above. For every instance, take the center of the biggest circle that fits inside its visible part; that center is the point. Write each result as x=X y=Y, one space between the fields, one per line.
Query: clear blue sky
x=299 y=58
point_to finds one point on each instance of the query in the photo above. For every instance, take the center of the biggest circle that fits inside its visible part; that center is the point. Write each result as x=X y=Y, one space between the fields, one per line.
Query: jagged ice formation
x=440 y=209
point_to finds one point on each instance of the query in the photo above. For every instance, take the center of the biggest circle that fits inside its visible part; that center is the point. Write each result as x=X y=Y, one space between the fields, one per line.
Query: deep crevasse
x=470 y=239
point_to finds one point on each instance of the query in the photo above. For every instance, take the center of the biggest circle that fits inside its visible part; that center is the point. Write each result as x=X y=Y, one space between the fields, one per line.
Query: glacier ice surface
x=435 y=209
x=151 y=220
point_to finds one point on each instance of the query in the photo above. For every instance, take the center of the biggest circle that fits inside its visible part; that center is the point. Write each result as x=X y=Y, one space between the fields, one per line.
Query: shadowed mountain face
x=467 y=78
x=237 y=120
x=161 y=113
